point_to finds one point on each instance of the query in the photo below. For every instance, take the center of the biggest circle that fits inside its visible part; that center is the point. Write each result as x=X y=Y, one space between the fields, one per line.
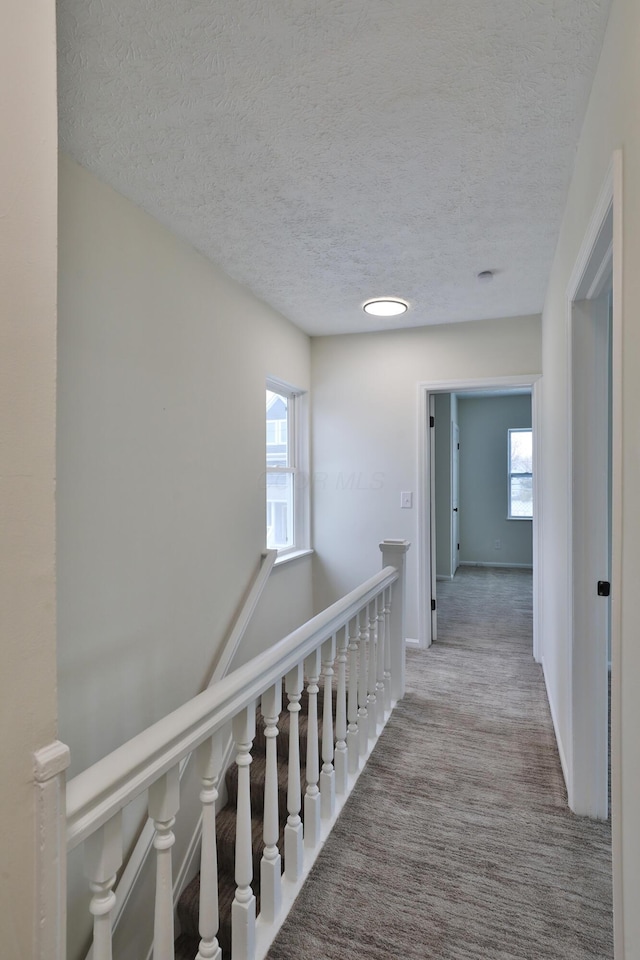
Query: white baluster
x=341 y=752
x=164 y=801
x=293 y=829
x=387 y=650
x=380 y=659
x=243 y=908
x=102 y=860
x=353 y=742
x=372 y=707
x=270 y=865
x=209 y=757
x=363 y=716
x=312 y=794
x=327 y=777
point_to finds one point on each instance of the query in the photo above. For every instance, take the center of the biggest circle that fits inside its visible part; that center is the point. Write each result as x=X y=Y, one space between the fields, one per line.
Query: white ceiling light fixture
x=386 y=307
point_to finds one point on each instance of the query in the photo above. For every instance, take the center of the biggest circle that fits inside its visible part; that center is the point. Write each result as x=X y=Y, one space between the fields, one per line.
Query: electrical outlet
x=497 y=544
x=406 y=500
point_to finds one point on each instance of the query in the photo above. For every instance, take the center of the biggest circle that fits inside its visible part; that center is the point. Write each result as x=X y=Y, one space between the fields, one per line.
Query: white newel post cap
x=50 y=761
x=394 y=550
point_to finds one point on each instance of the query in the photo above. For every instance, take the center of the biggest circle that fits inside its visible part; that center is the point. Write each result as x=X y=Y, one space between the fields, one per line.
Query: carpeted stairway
x=187 y=942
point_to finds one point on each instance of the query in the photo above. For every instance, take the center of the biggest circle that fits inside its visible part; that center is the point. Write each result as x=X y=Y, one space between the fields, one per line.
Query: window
x=287 y=493
x=520 y=479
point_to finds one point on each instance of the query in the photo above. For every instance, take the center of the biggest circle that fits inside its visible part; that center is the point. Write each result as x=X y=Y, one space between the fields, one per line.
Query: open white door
x=432 y=510
x=594 y=489
x=591 y=461
x=455 y=501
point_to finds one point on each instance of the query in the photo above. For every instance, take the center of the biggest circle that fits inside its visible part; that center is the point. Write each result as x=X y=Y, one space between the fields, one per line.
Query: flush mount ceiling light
x=386 y=307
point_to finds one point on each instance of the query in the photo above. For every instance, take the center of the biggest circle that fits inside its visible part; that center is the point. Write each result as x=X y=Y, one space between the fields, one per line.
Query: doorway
x=427 y=561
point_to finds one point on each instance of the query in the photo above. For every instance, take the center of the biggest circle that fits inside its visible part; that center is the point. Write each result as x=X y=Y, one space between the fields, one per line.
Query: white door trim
x=600 y=256
x=425 y=390
x=536 y=523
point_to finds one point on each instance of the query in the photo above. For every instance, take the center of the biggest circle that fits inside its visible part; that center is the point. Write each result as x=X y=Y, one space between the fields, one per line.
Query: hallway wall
x=365 y=435
x=27 y=447
x=161 y=457
x=611 y=122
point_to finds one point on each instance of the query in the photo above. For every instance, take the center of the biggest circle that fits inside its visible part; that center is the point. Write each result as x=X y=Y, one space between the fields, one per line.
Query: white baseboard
x=411 y=642
x=505 y=566
x=556 y=730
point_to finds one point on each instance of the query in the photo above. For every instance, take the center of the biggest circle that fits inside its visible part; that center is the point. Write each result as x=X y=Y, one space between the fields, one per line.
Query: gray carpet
x=457 y=842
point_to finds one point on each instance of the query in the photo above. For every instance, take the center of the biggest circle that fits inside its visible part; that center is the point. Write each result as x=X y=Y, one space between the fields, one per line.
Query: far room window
x=287 y=493
x=520 y=446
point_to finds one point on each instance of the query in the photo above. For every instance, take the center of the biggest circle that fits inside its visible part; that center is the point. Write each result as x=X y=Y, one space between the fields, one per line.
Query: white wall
x=484 y=422
x=365 y=434
x=161 y=447
x=27 y=457
x=611 y=121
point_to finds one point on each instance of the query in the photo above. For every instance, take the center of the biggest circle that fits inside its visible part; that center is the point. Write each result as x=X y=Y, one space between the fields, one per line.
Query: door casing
x=599 y=263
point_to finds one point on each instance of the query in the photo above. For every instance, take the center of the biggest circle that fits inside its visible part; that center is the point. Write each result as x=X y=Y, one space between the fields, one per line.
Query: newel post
x=394 y=555
x=50 y=764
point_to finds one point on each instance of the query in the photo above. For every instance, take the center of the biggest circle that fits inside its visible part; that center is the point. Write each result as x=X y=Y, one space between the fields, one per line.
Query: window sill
x=510 y=518
x=293 y=555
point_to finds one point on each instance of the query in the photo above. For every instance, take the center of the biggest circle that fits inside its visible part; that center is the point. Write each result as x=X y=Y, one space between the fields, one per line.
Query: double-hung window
x=286 y=490
x=520 y=479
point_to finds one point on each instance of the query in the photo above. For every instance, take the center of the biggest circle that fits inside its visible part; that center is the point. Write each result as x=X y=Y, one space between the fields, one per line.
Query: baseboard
x=411 y=642
x=444 y=576
x=556 y=730
x=502 y=566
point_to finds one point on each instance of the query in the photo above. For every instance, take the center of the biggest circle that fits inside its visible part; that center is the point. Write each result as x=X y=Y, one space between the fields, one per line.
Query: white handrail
x=236 y=636
x=98 y=793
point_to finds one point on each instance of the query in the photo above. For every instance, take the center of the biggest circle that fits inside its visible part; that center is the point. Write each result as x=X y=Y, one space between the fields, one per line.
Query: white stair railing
x=133 y=874
x=368 y=621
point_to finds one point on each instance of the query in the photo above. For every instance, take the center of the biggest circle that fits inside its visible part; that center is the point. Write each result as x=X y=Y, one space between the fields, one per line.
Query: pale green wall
x=483 y=423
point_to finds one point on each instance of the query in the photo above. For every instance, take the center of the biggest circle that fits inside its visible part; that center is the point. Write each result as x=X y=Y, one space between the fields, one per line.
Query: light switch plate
x=406 y=499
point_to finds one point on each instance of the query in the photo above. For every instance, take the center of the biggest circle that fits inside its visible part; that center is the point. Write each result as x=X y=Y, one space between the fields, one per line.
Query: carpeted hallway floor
x=457 y=842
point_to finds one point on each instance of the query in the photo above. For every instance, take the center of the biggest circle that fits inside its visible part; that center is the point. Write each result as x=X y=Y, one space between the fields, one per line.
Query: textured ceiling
x=324 y=153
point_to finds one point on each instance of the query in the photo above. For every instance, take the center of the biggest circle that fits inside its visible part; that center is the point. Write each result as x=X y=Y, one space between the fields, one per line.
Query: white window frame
x=278 y=430
x=511 y=473
x=298 y=466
